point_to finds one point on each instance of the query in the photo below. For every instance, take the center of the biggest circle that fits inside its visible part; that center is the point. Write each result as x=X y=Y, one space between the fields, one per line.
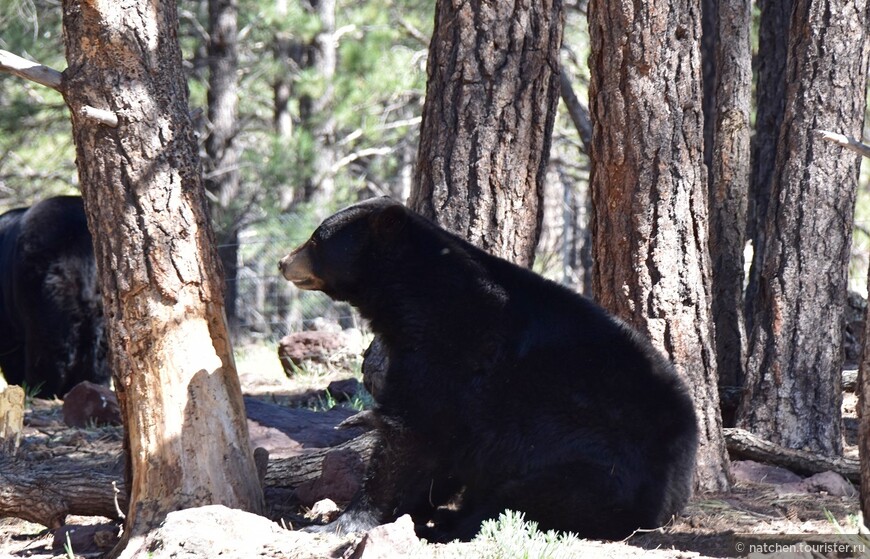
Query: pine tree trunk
x=792 y=394
x=649 y=188
x=770 y=104
x=141 y=182
x=491 y=96
x=222 y=177
x=730 y=185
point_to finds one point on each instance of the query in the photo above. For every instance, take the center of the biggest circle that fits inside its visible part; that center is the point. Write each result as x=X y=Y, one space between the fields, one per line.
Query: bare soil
x=710 y=526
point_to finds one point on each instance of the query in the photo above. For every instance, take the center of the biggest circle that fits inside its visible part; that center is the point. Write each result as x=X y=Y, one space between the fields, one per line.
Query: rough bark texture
x=770 y=104
x=221 y=166
x=491 y=97
x=795 y=362
x=730 y=185
x=141 y=183
x=649 y=188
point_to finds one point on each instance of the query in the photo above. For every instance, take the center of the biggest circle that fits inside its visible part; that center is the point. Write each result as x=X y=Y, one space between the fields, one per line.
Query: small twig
x=117 y=506
x=33 y=71
x=845 y=141
x=578 y=112
x=348 y=159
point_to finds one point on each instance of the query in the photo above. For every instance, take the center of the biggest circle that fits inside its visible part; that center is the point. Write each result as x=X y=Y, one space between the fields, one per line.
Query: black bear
x=51 y=318
x=502 y=390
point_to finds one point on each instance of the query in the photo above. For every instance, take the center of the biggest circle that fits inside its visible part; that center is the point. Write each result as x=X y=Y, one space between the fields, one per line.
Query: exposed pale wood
x=175 y=375
x=743 y=444
x=11 y=419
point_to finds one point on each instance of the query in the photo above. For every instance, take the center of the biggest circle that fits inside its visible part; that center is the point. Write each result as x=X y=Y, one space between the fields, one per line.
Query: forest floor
x=752 y=515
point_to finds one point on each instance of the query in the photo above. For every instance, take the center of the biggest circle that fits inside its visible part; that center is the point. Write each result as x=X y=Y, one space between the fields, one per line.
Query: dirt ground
x=722 y=525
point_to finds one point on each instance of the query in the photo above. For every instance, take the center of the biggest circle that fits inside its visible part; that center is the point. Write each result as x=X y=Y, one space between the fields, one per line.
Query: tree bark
x=141 y=182
x=491 y=98
x=649 y=188
x=795 y=362
x=773 y=32
x=730 y=185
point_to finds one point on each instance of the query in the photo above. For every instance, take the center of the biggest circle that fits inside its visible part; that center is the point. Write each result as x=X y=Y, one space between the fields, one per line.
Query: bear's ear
x=390 y=221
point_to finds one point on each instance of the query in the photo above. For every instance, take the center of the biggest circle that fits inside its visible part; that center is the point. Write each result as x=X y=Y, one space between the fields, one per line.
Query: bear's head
x=349 y=249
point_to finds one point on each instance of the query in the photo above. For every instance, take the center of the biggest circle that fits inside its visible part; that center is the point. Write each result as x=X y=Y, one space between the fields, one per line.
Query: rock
x=344 y=389
x=93 y=538
x=217 y=531
x=831 y=483
x=388 y=541
x=756 y=472
x=88 y=403
x=311 y=349
x=323 y=511
x=341 y=476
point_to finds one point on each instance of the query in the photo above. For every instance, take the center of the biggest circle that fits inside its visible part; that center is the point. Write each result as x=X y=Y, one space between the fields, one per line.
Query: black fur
x=51 y=319
x=503 y=390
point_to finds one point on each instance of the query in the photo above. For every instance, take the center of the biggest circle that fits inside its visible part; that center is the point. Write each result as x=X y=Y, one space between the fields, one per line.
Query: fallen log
x=743 y=444
x=46 y=491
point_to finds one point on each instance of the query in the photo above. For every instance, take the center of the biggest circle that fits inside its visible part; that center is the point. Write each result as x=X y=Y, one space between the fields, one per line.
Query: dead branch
x=578 y=112
x=23 y=68
x=743 y=444
x=845 y=141
x=47 y=491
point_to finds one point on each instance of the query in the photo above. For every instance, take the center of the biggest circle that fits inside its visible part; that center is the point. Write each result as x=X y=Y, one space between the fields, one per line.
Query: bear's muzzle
x=297 y=268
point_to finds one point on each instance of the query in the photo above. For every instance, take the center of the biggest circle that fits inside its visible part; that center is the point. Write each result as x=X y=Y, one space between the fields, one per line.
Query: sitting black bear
x=51 y=318
x=503 y=390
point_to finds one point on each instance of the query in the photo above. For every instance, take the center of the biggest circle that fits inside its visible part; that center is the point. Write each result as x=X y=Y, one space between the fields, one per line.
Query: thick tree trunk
x=222 y=177
x=795 y=362
x=491 y=97
x=730 y=185
x=649 y=188
x=141 y=182
x=773 y=32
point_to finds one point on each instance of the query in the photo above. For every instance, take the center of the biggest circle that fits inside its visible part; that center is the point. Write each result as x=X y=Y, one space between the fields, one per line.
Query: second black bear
x=502 y=390
x=51 y=317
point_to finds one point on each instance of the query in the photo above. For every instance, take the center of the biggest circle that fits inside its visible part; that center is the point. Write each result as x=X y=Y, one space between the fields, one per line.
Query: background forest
x=318 y=125
x=301 y=108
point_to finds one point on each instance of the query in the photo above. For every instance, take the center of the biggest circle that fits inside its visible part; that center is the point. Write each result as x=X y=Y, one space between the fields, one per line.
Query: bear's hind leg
x=401 y=479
